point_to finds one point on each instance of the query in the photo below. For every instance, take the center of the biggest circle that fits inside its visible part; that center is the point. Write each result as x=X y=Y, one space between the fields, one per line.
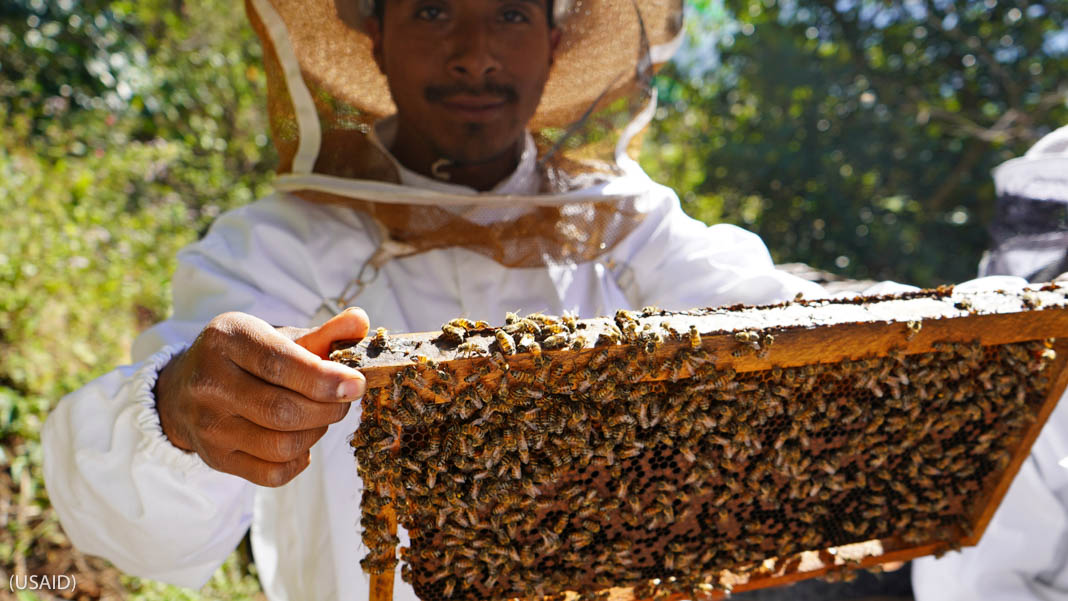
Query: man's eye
x=514 y=16
x=429 y=13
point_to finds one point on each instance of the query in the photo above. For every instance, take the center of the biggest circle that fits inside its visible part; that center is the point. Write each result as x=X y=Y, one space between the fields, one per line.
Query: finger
x=277 y=408
x=270 y=445
x=892 y=566
x=292 y=332
x=258 y=471
x=259 y=349
x=350 y=324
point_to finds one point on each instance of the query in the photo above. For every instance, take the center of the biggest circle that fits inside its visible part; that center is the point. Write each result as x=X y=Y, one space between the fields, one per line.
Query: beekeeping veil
x=325 y=92
x=1030 y=226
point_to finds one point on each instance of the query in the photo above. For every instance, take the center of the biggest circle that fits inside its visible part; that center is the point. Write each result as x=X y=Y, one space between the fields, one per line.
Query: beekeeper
x=438 y=158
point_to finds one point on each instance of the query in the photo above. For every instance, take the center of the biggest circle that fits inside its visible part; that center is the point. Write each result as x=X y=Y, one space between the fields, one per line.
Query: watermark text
x=42 y=582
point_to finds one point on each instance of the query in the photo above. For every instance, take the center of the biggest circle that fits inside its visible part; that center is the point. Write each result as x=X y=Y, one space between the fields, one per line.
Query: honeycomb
x=675 y=460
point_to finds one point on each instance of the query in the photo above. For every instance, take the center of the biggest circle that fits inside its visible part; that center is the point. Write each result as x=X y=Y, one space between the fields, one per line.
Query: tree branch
x=1011 y=88
x=975 y=150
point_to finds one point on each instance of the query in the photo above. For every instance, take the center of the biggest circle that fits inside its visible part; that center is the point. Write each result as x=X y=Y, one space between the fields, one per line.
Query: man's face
x=466 y=75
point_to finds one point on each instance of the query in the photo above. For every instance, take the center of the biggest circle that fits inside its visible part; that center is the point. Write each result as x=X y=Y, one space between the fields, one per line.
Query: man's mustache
x=442 y=93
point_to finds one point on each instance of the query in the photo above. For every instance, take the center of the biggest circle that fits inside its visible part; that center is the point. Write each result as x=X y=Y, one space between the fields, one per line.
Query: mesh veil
x=325 y=92
x=1030 y=228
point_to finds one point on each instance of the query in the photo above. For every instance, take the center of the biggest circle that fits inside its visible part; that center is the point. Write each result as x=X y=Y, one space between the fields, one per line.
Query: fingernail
x=351 y=389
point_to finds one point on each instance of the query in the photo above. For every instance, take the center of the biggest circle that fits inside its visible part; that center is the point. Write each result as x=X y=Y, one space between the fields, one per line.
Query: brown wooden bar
x=848 y=329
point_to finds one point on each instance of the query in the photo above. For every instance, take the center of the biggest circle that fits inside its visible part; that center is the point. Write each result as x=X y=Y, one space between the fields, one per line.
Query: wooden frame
x=784 y=337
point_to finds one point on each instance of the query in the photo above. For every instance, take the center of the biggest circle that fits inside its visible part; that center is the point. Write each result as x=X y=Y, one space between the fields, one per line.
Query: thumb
x=350 y=324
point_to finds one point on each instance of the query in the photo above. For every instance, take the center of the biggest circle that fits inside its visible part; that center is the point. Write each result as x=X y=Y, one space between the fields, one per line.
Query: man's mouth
x=473 y=105
x=474 y=108
x=470 y=102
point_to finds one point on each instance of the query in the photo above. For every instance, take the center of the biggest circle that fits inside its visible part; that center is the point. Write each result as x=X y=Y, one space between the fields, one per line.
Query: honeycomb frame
x=756 y=369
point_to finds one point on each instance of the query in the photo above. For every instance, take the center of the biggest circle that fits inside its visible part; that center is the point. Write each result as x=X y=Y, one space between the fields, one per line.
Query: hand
x=252 y=399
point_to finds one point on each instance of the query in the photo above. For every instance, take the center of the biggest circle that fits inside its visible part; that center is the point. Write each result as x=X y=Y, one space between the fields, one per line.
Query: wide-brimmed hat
x=325 y=92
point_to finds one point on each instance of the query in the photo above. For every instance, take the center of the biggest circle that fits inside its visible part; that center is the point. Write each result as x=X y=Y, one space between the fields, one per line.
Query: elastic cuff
x=155 y=442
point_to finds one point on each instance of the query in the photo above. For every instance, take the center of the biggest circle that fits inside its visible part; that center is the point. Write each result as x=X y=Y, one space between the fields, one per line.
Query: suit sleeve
x=120 y=488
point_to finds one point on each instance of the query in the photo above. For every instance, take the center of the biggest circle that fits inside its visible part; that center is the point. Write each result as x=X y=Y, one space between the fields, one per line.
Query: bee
x=380 y=339
x=722 y=379
x=604 y=393
x=424 y=361
x=619 y=420
x=445 y=377
x=525 y=325
x=748 y=337
x=466 y=324
x=581 y=538
x=765 y=345
x=504 y=341
x=555 y=341
x=468 y=349
x=913 y=328
x=607 y=451
x=577 y=343
x=653 y=342
x=599 y=360
x=555 y=328
x=349 y=356
x=525 y=342
x=745 y=435
x=522 y=377
x=672 y=332
x=543 y=319
x=1031 y=300
x=612 y=335
x=570 y=320
x=452 y=334
x=524 y=452
x=592 y=525
x=695 y=337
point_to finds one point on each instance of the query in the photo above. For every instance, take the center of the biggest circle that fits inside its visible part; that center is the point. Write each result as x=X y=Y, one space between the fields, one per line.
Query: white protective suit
x=124 y=492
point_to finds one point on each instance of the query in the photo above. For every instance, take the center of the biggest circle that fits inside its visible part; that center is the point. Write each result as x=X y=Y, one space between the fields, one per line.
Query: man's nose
x=473 y=55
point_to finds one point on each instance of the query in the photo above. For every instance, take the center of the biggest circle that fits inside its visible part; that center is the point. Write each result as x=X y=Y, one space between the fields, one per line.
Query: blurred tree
x=125 y=127
x=858 y=135
x=113 y=113
x=81 y=76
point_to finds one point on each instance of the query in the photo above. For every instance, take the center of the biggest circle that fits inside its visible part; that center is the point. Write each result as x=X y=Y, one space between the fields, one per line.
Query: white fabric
x=124 y=492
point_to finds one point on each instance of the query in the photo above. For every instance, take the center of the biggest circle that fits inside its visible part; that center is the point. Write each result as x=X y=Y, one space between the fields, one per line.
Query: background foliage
x=125 y=127
x=853 y=135
x=859 y=135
